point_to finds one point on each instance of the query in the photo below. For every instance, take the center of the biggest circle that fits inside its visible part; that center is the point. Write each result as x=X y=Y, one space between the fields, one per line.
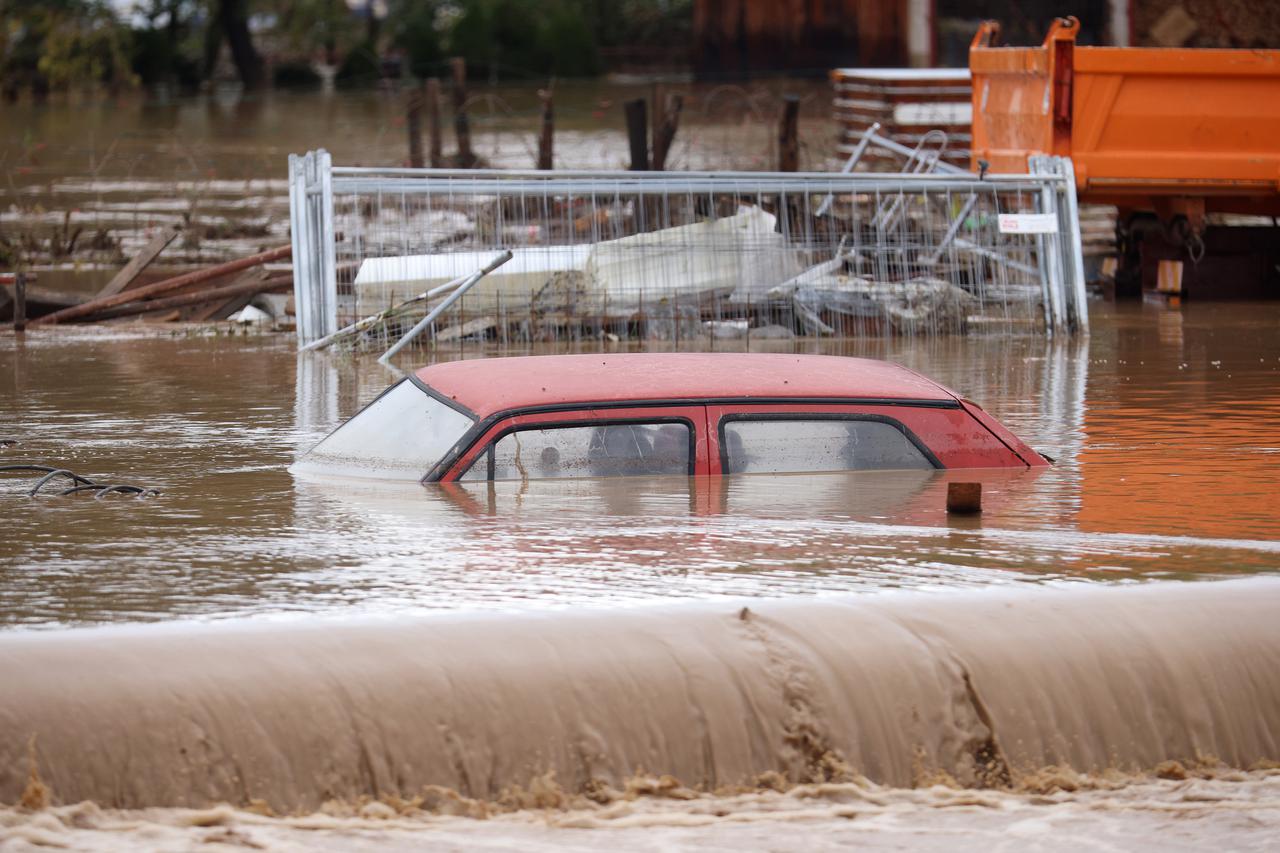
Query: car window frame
x=516 y=423
x=722 y=452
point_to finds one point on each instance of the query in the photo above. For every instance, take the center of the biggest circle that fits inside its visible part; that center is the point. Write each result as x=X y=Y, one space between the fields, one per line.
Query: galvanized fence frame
x=315 y=183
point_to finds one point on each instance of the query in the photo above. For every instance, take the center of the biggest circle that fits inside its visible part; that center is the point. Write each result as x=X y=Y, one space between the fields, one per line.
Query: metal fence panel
x=682 y=256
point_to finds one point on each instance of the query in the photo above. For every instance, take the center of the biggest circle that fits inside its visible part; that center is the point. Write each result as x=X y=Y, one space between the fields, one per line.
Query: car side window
x=780 y=446
x=599 y=450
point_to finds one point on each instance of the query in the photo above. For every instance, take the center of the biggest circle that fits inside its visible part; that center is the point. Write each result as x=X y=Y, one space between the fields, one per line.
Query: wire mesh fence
x=684 y=256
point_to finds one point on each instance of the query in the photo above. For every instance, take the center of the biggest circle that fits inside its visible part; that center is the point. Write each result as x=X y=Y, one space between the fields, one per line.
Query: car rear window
x=800 y=445
x=599 y=450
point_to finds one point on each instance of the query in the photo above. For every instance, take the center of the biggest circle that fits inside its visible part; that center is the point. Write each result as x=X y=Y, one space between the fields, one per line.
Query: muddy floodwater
x=721 y=663
x=1165 y=426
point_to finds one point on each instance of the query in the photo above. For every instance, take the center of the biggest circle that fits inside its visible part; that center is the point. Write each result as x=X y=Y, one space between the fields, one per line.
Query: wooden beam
x=218 y=309
x=139 y=262
x=220 y=294
x=96 y=305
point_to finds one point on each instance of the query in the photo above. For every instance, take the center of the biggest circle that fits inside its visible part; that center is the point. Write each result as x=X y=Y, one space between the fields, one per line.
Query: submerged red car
x=663 y=413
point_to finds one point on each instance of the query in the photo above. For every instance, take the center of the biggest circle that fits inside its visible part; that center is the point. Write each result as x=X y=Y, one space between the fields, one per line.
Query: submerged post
x=433 y=123
x=461 y=127
x=789 y=135
x=547 y=138
x=638 y=134
x=964 y=498
x=665 y=133
x=20 y=302
x=413 y=123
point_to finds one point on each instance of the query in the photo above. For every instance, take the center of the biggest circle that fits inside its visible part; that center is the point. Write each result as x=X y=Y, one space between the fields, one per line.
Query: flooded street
x=931 y=677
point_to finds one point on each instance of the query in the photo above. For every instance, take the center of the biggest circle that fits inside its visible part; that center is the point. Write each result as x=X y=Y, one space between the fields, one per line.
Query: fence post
x=328 y=320
x=638 y=134
x=300 y=229
x=1074 y=245
x=1052 y=251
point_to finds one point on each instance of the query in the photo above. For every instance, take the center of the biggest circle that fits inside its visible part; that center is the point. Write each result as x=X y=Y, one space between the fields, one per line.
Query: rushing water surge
x=753 y=651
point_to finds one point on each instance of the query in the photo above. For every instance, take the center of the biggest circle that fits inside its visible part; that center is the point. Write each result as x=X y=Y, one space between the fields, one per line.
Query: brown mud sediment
x=987 y=689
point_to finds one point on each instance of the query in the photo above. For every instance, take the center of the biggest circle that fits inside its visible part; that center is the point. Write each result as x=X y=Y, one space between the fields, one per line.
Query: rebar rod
x=457 y=294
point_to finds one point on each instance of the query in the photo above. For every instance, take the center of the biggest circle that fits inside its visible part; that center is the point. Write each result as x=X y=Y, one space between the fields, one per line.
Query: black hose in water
x=78 y=483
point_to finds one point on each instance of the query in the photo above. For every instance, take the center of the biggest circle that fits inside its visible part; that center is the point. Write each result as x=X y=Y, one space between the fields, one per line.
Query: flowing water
x=290 y=642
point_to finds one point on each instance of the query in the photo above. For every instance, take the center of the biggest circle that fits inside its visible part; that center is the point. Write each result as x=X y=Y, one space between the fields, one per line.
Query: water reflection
x=1168 y=449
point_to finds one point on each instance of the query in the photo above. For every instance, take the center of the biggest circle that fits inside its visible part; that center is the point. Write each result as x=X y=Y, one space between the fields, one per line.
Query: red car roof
x=490 y=385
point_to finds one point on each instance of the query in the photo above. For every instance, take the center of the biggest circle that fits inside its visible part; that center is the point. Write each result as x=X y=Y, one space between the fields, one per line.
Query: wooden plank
x=471 y=327
x=220 y=308
x=274 y=283
x=167 y=286
x=139 y=262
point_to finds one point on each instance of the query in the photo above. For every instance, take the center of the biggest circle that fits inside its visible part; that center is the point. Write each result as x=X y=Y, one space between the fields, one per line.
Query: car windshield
x=401 y=435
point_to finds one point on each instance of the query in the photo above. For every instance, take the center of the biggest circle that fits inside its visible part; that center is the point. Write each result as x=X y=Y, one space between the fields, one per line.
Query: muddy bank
x=902 y=689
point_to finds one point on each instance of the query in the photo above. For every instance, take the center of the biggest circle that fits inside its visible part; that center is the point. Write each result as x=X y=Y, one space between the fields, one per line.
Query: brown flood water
x=119 y=170
x=330 y=642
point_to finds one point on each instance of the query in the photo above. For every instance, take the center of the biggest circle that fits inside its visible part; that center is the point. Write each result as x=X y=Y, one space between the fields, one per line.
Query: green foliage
x=359 y=67
x=639 y=22
x=294 y=75
x=412 y=27
x=64 y=43
x=523 y=38
x=309 y=26
x=69 y=43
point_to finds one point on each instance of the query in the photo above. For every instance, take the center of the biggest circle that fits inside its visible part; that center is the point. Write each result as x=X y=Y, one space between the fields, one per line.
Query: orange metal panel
x=1137 y=122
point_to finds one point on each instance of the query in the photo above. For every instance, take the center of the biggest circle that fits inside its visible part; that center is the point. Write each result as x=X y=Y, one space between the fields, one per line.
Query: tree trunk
x=234 y=15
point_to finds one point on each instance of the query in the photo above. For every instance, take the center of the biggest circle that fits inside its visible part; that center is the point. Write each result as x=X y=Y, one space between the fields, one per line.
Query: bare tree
x=230 y=21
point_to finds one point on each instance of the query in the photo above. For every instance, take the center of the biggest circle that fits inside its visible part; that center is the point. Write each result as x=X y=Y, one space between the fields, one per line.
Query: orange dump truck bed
x=1141 y=125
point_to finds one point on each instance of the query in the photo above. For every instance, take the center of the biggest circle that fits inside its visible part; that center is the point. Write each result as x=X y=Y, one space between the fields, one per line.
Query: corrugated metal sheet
x=736 y=36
